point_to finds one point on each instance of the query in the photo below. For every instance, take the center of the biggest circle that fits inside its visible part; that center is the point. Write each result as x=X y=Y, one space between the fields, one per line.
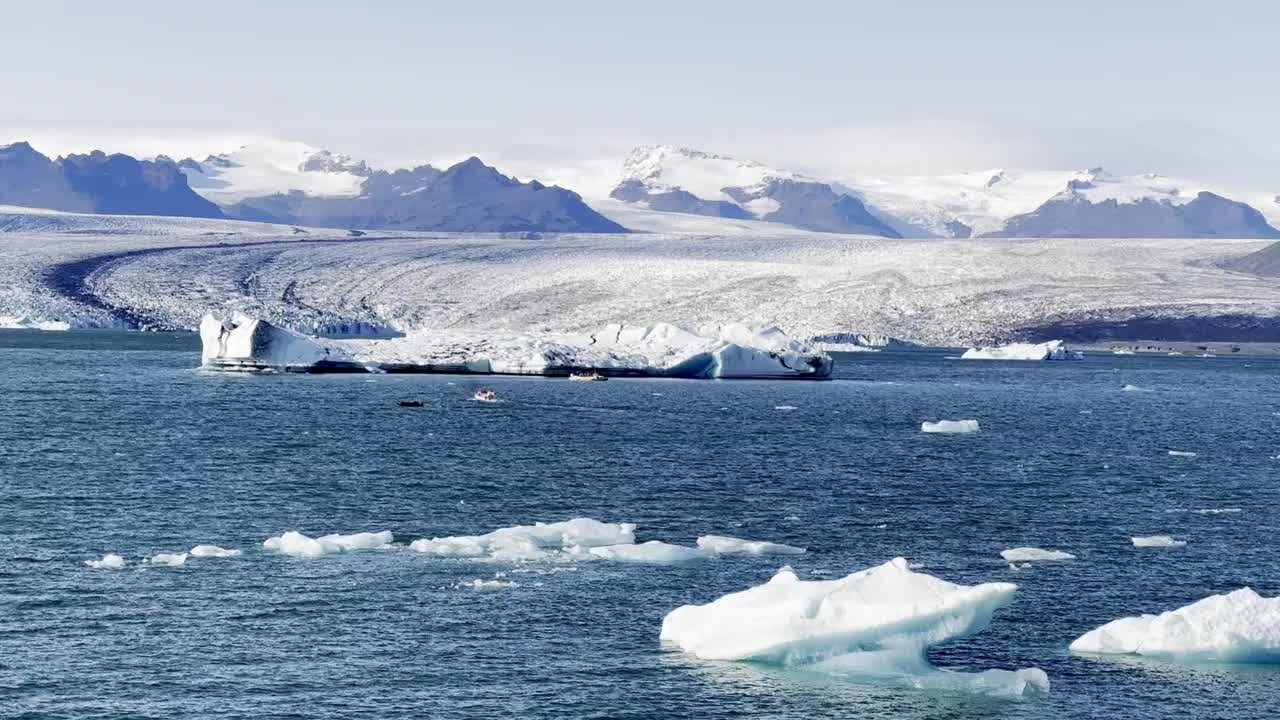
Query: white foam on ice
x=1034 y=554
x=725 y=545
x=213 y=551
x=296 y=544
x=950 y=427
x=540 y=541
x=1239 y=626
x=110 y=561
x=170 y=559
x=1163 y=541
x=1051 y=350
x=874 y=625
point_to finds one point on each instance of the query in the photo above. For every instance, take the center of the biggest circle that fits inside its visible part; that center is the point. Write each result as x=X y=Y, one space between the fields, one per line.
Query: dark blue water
x=133 y=451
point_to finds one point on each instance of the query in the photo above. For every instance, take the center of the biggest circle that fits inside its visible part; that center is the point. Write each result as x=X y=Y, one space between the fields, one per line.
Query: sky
x=836 y=88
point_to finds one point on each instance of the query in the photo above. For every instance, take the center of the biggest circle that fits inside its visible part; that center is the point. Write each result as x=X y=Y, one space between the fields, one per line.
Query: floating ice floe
x=531 y=542
x=1156 y=541
x=1034 y=554
x=213 y=551
x=654 y=552
x=875 y=625
x=950 y=427
x=170 y=559
x=296 y=544
x=239 y=342
x=1134 y=389
x=1239 y=626
x=785 y=408
x=1182 y=453
x=1052 y=350
x=110 y=561
x=724 y=545
x=488 y=585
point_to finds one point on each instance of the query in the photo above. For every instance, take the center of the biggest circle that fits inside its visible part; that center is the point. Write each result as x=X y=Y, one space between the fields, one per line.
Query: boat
x=485 y=395
x=587 y=377
x=411 y=403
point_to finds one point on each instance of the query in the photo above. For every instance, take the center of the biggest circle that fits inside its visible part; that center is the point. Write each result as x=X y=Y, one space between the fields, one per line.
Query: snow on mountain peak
x=666 y=167
x=268 y=167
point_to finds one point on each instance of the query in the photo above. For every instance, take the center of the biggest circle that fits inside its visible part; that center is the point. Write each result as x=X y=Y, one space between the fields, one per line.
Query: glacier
x=1239 y=626
x=1051 y=350
x=735 y=350
x=875 y=625
x=106 y=271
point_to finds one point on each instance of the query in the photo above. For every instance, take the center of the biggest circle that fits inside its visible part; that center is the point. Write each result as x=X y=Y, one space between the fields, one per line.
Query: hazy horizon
x=842 y=88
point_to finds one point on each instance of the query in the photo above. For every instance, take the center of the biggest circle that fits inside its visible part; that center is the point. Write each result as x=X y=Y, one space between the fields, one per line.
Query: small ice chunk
x=170 y=559
x=725 y=545
x=213 y=551
x=1034 y=554
x=785 y=408
x=1157 y=541
x=950 y=426
x=1052 y=350
x=296 y=544
x=488 y=585
x=1240 y=626
x=1134 y=389
x=110 y=561
x=654 y=552
x=1182 y=453
x=541 y=541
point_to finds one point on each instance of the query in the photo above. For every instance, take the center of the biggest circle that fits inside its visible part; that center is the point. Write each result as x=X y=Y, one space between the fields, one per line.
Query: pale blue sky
x=1177 y=87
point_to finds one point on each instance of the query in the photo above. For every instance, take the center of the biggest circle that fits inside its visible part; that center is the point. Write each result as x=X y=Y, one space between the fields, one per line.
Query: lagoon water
x=115 y=443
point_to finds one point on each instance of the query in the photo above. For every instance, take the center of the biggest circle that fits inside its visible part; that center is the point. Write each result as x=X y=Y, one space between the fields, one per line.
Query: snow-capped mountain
x=468 y=197
x=1083 y=203
x=98 y=183
x=270 y=167
x=671 y=179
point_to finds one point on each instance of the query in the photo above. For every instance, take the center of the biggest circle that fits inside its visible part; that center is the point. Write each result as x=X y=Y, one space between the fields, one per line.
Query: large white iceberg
x=661 y=350
x=1240 y=626
x=1052 y=350
x=876 y=624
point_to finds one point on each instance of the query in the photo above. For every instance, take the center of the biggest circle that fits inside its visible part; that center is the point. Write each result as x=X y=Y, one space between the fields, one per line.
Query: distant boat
x=410 y=403
x=588 y=377
x=485 y=395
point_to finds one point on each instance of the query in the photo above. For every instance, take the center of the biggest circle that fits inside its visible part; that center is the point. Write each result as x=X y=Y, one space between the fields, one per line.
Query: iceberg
x=1239 y=626
x=1157 y=541
x=1182 y=453
x=22 y=322
x=239 y=342
x=296 y=544
x=1052 y=350
x=213 y=551
x=1033 y=554
x=110 y=561
x=950 y=427
x=874 y=625
x=531 y=542
x=170 y=559
x=725 y=545
x=654 y=552
x=487 y=585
